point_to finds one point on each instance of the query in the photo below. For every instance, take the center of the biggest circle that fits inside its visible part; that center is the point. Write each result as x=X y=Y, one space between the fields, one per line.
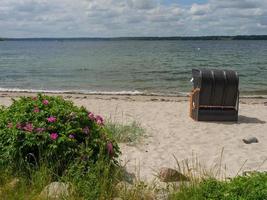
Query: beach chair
x=215 y=95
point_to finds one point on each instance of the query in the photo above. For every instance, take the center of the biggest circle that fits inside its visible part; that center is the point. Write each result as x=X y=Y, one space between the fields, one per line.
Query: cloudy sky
x=115 y=18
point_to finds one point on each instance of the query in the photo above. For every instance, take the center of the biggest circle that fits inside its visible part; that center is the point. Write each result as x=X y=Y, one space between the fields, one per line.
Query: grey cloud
x=32 y=7
x=263 y=21
x=142 y=4
x=198 y=9
x=111 y=18
x=241 y=4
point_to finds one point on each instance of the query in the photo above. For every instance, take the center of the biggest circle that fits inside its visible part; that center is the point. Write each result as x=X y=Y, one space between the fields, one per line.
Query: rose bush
x=52 y=130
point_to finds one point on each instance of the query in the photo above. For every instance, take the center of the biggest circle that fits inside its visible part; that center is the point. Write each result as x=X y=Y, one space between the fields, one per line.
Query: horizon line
x=138 y=37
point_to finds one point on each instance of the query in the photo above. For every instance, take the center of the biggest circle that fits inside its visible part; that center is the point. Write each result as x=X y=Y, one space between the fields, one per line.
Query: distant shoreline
x=237 y=37
x=114 y=96
x=255 y=94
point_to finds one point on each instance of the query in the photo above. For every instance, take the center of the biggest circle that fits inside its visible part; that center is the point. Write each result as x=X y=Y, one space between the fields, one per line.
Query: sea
x=137 y=67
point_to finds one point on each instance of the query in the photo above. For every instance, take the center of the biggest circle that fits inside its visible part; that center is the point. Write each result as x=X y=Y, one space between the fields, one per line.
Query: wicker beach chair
x=215 y=95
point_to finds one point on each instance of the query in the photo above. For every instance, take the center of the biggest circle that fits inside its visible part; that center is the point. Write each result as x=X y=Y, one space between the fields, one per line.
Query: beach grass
x=250 y=187
x=126 y=133
x=102 y=183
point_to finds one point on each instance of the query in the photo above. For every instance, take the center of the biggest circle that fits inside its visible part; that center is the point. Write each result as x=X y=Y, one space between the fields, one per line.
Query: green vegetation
x=53 y=138
x=251 y=187
x=52 y=130
x=47 y=139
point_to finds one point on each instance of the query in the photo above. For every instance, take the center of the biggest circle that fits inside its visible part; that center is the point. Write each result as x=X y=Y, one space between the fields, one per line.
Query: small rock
x=127 y=176
x=250 y=140
x=55 y=190
x=171 y=175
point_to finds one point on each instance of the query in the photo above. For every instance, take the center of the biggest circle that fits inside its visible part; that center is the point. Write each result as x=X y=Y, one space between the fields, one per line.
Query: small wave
x=124 y=92
x=69 y=91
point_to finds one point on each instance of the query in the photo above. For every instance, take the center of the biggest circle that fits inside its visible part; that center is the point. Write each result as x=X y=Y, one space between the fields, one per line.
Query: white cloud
x=112 y=18
x=199 y=9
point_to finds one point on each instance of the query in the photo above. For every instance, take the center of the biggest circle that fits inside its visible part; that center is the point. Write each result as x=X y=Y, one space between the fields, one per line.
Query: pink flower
x=19 y=126
x=53 y=136
x=34 y=98
x=99 y=120
x=51 y=119
x=91 y=116
x=36 y=110
x=10 y=125
x=86 y=130
x=40 y=130
x=45 y=102
x=110 y=149
x=28 y=127
x=71 y=136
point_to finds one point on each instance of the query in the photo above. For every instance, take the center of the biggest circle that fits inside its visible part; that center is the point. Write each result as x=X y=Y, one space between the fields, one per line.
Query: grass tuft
x=252 y=187
x=129 y=133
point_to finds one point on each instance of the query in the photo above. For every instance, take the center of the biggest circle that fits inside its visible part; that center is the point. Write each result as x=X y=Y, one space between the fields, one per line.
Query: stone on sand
x=250 y=140
x=171 y=175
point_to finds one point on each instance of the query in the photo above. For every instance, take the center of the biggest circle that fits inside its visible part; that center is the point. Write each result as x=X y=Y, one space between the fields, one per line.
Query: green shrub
x=50 y=130
x=252 y=187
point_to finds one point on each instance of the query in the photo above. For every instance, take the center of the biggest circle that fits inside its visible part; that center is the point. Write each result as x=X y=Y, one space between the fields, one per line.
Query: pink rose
x=19 y=126
x=51 y=119
x=36 y=110
x=86 y=130
x=53 y=136
x=99 y=120
x=71 y=136
x=45 y=102
x=28 y=127
x=91 y=116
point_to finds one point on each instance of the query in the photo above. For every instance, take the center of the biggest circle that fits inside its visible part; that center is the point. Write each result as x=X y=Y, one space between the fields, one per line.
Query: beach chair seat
x=215 y=95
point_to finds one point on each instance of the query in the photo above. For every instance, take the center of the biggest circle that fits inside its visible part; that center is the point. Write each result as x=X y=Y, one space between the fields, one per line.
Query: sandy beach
x=170 y=132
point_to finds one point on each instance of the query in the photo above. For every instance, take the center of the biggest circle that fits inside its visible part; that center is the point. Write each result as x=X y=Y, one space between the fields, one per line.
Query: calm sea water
x=127 y=66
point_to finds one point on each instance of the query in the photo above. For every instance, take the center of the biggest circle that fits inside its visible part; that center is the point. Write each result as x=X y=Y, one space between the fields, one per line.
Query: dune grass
x=104 y=182
x=126 y=133
x=251 y=187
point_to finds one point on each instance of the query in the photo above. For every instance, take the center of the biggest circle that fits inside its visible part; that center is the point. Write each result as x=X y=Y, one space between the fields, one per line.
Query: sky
x=129 y=18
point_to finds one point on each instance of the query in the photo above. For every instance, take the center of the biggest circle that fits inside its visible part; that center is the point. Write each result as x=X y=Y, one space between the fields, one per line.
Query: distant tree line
x=238 y=37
